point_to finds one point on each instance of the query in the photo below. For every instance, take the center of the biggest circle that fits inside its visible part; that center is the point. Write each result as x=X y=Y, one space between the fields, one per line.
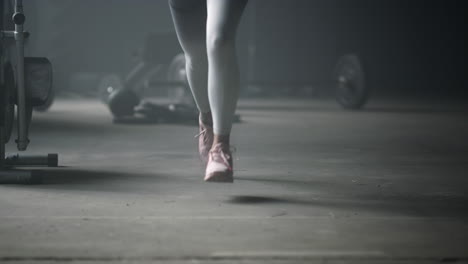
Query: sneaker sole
x=220 y=177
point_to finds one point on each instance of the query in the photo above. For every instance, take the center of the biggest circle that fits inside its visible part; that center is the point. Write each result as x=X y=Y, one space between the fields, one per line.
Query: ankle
x=206 y=118
x=223 y=139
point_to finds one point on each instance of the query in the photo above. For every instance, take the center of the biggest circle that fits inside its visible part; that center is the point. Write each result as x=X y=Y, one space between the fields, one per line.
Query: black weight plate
x=122 y=102
x=108 y=84
x=38 y=80
x=351 y=89
x=48 y=103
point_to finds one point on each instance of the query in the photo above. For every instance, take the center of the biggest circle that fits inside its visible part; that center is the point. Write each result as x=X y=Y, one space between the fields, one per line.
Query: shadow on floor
x=343 y=197
x=356 y=198
x=428 y=207
x=79 y=176
x=250 y=199
x=93 y=180
x=66 y=127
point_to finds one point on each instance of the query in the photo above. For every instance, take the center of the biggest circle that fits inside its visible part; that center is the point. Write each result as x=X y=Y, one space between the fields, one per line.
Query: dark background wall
x=408 y=46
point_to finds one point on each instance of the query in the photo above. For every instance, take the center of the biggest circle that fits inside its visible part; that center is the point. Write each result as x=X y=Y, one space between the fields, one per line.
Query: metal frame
x=7 y=173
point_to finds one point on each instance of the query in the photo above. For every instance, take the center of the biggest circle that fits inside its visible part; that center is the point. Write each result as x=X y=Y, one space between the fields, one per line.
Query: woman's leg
x=223 y=82
x=189 y=18
x=223 y=72
x=190 y=22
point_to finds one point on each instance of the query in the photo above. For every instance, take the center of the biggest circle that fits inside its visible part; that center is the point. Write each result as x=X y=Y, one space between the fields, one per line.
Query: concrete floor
x=313 y=184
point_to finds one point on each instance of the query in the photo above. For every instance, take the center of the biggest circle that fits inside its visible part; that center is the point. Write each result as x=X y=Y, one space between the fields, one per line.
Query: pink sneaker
x=219 y=168
x=205 y=141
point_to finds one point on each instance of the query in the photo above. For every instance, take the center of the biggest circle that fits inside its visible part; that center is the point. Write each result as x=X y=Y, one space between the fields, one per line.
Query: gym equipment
x=123 y=94
x=48 y=103
x=167 y=113
x=122 y=102
x=177 y=75
x=164 y=113
x=26 y=82
x=126 y=106
x=8 y=107
x=107 y=85
x=350 y=80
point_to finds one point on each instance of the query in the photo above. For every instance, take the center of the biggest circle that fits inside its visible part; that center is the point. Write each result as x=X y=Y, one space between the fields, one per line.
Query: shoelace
x=201 y=133
x=217 y=150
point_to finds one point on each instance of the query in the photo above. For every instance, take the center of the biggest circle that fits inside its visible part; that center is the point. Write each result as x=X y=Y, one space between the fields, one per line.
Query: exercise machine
x=24 y=84
x=161 y=54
